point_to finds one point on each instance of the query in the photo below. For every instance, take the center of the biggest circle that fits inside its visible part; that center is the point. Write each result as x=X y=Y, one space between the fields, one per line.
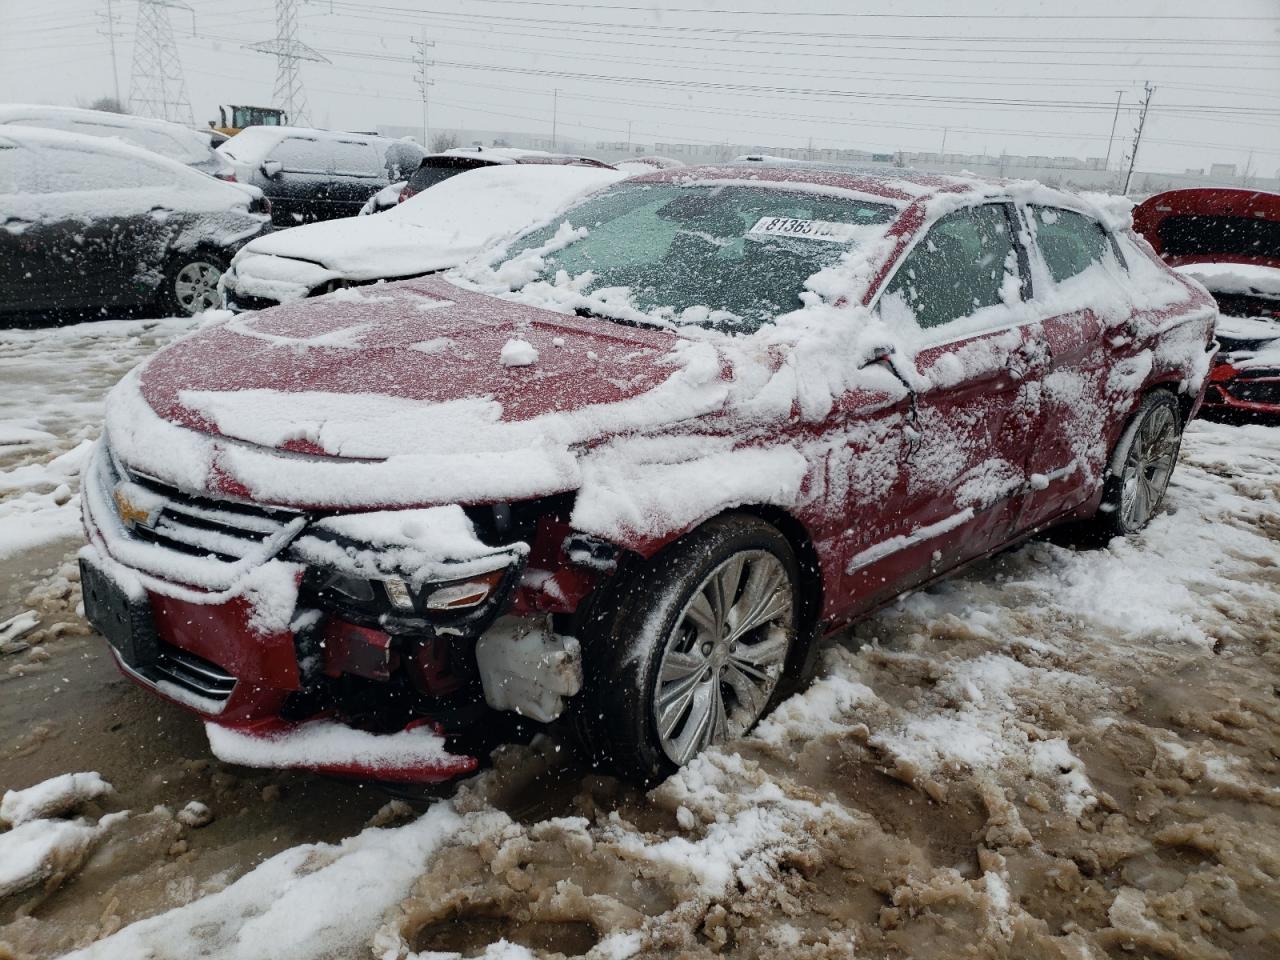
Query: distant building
x=1222 y=169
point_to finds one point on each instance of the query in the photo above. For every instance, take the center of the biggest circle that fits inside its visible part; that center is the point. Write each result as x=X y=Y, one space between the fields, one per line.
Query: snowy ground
x=1063 y=753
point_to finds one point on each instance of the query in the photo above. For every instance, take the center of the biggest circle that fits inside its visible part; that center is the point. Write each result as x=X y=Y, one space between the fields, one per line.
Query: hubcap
x=1148 y=466
x=724 y=657
x=195 y=286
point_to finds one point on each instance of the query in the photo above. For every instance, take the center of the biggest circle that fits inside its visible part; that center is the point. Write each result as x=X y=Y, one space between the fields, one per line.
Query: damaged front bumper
x=271 y=624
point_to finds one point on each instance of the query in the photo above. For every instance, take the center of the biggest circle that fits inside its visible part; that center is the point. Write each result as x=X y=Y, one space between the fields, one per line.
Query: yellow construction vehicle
x=242 y=117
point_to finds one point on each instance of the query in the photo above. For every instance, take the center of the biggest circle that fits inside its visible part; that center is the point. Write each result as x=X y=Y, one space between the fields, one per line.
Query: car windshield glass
x=731 y=257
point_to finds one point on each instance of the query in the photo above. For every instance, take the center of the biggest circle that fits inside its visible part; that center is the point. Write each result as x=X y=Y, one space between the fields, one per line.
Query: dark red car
x=1229 y=240
x=629 y=468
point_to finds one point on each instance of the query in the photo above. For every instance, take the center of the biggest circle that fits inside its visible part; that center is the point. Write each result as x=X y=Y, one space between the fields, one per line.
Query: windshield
x=731 y=257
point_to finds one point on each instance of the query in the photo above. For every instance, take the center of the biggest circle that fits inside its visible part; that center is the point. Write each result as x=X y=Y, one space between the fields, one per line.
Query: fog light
x=398 y=593
x=466 y=593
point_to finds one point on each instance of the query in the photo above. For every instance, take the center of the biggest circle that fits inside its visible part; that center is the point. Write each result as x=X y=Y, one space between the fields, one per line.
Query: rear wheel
x=693 y=653
x=1141 y=465
x=191 y=283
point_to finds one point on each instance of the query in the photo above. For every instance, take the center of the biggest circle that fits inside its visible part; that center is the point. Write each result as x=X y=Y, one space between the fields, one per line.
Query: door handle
x=1028 y=357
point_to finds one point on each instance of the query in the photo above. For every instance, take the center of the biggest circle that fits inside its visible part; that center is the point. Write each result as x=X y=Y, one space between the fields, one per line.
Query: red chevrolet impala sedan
x=628 y=468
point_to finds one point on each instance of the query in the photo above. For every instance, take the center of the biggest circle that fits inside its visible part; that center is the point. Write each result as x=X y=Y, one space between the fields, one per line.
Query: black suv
x=312 y=175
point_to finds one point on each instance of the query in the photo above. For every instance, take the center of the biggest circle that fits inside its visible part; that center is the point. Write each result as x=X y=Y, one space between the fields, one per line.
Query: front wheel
x=1141 y=465
x=191 y=283
x=694 y=650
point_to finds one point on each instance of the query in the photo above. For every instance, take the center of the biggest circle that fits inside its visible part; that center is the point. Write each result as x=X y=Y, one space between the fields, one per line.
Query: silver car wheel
x=725 y=655
x=1147 y=467
x=195 y=286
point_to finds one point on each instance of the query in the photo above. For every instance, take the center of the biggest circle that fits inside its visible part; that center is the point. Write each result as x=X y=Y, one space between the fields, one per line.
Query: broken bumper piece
x=416 y=754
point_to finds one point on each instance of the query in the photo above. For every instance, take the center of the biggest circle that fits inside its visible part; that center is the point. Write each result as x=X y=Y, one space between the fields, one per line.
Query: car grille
x=191 y=673
x=204 y=527
x=1257 y=390
x=191 y=539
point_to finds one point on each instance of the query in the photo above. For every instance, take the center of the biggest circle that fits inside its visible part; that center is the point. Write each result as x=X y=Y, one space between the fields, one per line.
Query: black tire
x=627 y=635
x=173 y=299
x=1114 y=518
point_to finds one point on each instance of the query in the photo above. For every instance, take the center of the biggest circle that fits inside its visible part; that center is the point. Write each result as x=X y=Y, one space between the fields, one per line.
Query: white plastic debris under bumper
x=527 y=668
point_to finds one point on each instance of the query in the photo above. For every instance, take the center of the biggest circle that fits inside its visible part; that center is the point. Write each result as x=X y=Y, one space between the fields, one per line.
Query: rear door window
x=966 y=262
x=1069 y=242
x=301 y=155
x=354 y=158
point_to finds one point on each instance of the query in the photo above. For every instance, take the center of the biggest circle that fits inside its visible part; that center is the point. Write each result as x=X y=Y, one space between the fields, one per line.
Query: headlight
x=464 y=594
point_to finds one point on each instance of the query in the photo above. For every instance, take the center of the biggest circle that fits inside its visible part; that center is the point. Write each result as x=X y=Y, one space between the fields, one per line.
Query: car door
x=300 y=191
x=959 y=294
x=1079 y=280
x=112 y=248
x=356 y=172
x=26 y=268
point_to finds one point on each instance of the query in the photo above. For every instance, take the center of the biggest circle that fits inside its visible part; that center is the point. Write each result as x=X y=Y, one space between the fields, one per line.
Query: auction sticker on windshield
x=808 y=229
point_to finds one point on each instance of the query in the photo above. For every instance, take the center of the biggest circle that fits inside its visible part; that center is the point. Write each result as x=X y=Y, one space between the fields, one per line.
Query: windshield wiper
x=597 y=315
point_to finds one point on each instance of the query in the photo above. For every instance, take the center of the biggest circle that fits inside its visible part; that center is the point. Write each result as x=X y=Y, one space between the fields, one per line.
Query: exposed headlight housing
x=463 y=594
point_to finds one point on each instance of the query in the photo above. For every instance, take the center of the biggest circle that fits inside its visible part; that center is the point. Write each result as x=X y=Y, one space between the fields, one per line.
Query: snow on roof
x=901 y=186
x=171 y=140
x=252 y=144
x=439 y=227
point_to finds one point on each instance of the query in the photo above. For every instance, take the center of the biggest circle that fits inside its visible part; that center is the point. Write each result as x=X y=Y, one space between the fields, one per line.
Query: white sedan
x=435 y=230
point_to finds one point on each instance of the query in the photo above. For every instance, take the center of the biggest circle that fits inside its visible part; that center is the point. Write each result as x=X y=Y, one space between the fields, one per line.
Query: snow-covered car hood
x=410 y=393
x=437 y=229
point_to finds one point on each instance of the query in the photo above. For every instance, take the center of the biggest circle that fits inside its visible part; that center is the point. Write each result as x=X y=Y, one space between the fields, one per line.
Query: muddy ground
x=1063 y=753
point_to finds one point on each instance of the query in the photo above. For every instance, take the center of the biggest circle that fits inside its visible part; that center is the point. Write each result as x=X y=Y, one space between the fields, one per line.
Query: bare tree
x=108 y=105
x=443 y=140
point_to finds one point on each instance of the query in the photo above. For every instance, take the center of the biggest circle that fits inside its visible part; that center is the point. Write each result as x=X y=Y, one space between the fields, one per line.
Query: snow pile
x=38 y=849
x=518 y=353
x=310 y=901
x=52 y=798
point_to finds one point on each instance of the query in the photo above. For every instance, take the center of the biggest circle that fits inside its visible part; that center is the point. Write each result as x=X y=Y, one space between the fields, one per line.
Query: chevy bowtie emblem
x=131 y=508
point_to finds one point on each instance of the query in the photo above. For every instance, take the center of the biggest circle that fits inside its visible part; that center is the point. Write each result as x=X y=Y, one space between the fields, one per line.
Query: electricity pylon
x=157 y=87
x=289 y=52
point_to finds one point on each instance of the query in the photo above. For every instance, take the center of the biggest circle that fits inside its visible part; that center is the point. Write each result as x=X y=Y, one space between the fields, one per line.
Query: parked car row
x=626 y=467
x=89 y=223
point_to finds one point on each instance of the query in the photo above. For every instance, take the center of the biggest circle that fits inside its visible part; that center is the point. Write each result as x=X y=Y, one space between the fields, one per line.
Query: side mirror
x=272 y=168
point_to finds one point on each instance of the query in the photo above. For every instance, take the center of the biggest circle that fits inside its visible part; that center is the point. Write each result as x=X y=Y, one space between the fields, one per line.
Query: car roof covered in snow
x=513 y=155
x=39 y=137
x=899 y=187
x=169 y=139
x=437 y=228
x=192 y=183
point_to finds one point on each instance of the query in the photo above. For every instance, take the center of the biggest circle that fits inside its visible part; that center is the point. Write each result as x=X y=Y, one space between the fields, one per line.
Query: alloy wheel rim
x=724 y=656
x=195 y=286
x=1148 y=466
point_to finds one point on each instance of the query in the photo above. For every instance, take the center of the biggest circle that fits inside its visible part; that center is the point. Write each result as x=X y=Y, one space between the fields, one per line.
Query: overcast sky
x=1034 y=78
